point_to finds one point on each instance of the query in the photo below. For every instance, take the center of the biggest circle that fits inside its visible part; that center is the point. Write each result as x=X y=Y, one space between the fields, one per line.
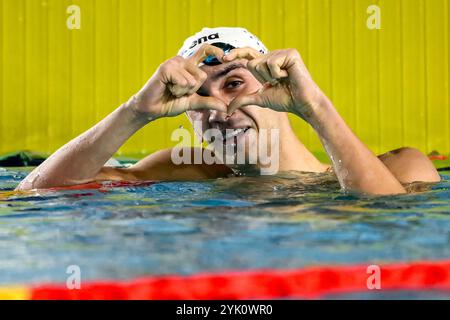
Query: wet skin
x=247 y=91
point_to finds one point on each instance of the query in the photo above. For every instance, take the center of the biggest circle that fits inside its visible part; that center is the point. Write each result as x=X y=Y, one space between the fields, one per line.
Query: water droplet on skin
x=344 y=173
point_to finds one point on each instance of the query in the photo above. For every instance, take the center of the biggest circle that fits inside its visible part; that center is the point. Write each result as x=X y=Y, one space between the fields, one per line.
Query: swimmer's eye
x=234 y=84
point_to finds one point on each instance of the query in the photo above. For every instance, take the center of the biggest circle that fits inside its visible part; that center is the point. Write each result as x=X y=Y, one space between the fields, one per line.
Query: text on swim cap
x=204 y=39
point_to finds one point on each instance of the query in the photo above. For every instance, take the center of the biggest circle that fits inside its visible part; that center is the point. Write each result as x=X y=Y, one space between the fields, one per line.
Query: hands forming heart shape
x=287 y=84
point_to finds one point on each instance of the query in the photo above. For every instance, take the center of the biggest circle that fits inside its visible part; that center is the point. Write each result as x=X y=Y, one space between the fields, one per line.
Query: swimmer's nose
x=217 y=116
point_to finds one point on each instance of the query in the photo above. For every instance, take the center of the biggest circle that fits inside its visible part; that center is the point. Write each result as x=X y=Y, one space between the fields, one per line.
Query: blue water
x=236 y=223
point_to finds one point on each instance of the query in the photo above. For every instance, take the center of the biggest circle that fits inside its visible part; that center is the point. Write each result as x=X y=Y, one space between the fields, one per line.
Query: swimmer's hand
x=172 y=89
x=287 y=84
x=289 y=87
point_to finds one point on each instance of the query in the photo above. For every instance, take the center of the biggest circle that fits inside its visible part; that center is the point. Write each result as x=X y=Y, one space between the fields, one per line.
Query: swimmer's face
x=225 y=82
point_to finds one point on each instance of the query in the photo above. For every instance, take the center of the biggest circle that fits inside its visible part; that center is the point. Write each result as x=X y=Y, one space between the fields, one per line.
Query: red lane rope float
x=306 y=283
x=438 y=157
x=104 y=185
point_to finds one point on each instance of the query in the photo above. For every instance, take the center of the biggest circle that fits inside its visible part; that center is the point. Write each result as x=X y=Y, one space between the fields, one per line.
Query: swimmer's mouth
x=228 y=136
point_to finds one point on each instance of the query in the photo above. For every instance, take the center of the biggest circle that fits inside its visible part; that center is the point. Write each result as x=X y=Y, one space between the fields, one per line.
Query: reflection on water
x=287 y=221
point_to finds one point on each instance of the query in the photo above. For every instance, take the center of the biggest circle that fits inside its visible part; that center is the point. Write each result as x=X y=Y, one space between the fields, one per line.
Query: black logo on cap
x=204 y=39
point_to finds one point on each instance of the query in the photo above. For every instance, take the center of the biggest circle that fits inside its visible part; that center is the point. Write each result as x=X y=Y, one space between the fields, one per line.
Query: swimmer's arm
x=159 y=166
x=356 y=167
x=169 y=92
x=292 y=89
x=82 y=159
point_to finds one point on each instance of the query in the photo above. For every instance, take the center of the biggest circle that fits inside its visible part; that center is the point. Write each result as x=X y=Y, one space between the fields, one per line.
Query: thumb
x=197 y=102
x=245 y=100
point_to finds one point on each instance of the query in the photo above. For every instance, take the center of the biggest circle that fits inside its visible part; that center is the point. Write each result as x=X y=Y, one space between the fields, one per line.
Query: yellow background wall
x=391 y=85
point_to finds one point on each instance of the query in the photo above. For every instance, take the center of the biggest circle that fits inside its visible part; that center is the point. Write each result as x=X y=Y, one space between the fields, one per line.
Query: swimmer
x=226 y=79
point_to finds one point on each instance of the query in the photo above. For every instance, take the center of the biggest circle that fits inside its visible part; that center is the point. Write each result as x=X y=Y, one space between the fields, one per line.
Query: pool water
x=227 y=224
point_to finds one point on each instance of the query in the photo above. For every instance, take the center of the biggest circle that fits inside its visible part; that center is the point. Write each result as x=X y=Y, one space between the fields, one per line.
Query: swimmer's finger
x=181 y=83
x=242 y=53
x=205 y=51
x=274 y=64
x=175 y=84
x=252 y=67
x=197 y=102
x=199 y=75
x=264 y=72
x=243 y=101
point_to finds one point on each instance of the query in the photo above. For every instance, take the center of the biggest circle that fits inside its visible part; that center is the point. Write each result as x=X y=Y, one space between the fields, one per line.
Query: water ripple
x=291 y=220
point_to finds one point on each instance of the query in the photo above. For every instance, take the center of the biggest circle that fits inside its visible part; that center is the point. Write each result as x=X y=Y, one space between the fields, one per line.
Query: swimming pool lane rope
x=305 y=283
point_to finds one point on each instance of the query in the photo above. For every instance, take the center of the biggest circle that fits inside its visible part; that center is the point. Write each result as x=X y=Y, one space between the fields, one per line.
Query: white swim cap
x=236 y=37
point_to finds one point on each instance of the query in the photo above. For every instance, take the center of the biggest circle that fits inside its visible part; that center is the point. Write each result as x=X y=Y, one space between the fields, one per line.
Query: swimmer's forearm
x=80 y=160
x=356 y=167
